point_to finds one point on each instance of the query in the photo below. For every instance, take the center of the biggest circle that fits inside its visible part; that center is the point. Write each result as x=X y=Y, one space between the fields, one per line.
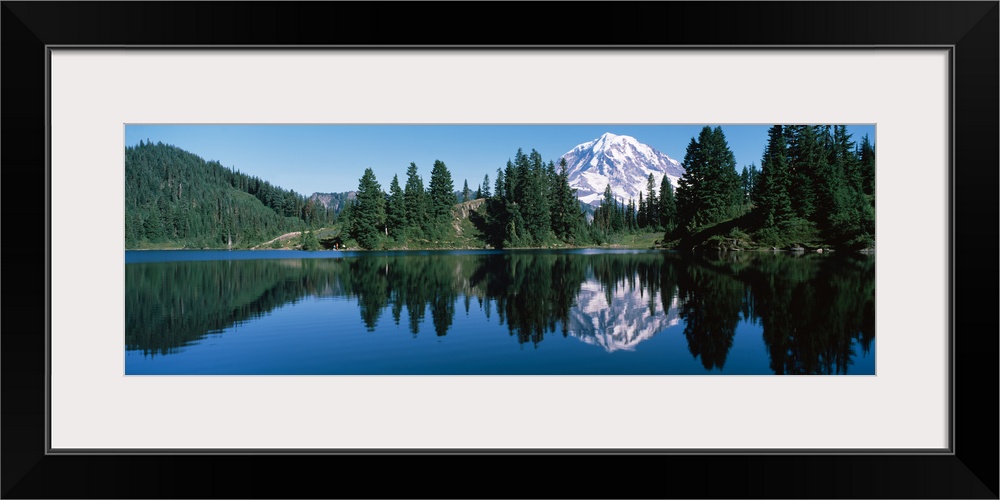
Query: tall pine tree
x=485 y=189
x=534 y=197
x=807 y=158
x=774 y=202
x=414 y=195
x=709 y=190
x=441 y=190
x=652 y=203
x=867 y=167
x=396 y=210
x=368 y=215
x=668 y=208
x=850 y=223
x=442 y=198
x=565 y=207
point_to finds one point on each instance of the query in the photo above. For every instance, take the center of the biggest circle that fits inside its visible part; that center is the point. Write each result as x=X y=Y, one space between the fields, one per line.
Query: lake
x=521 y=312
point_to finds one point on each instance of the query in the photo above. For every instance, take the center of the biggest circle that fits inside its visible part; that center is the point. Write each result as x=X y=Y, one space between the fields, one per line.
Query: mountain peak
x=621 y=161
x=606 y=139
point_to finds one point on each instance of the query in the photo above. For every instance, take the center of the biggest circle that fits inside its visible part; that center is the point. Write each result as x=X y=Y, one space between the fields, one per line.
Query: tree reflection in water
x=813 y=310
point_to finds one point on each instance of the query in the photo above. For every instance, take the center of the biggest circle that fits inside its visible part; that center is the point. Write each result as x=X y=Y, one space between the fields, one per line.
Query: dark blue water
x=484 y=313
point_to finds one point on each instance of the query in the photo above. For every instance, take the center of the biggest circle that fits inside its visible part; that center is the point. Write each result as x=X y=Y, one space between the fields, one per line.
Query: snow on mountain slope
x=623 y=162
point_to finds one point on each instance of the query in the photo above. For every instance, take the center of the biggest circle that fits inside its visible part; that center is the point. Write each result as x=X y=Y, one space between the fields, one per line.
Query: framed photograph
x=90 y=87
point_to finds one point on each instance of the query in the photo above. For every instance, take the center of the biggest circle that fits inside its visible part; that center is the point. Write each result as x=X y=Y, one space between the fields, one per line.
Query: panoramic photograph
x=590 y=249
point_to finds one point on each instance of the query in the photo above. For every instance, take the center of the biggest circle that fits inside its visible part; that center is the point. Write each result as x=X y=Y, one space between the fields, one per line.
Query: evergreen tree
x=844 y=157
x=531 y=195
x=514 y=232
x=604 y=215
x=691 y=196
x=830 y=173
x=441 y=191
x=501 y=188
x=641 y=212
x=495 y=214
x=630 y=220
x=516 y=176
x=465 y=191
x=618 y=222
x=728 y=195
x=774 y=203
x=565 y=207
x=153 y=225
x=850 y=222
x=508 y=229
x=396 y=209
x=668 y=207
x=368 y=216
x=345 y=217
x=485 y=187
x=442 y=198
x=510 y=180
x=709 y=190
x=652 y=203
x=867 y=166
x=414 y=196
x=807 y=158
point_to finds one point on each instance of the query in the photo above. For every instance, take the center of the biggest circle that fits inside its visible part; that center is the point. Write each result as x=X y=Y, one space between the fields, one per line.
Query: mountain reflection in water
x=804 y=314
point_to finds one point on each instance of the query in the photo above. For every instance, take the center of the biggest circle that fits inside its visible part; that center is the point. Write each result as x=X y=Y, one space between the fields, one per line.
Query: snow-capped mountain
x=623 y=162
x=623 y=322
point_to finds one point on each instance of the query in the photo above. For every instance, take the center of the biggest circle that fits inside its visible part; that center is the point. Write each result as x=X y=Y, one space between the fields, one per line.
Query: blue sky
x=332 y=158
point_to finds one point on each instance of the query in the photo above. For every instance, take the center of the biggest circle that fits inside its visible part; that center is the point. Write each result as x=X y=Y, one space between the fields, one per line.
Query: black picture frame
x=970 y=28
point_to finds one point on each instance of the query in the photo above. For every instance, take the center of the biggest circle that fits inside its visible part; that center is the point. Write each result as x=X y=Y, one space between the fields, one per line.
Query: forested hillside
x=176 y=199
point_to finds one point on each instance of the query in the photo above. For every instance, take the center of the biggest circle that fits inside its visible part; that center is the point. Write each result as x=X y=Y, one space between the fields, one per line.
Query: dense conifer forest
x=176 y=199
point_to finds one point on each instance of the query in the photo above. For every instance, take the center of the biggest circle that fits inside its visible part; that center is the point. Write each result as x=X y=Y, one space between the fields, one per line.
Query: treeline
x=376 y=219
x=815 y=185
x=174 y=197
x=814 y=178
x=657 y=212
x=530 y=205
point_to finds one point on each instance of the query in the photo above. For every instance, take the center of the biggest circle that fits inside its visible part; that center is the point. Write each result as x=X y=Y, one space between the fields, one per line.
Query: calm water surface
x=581 y=312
